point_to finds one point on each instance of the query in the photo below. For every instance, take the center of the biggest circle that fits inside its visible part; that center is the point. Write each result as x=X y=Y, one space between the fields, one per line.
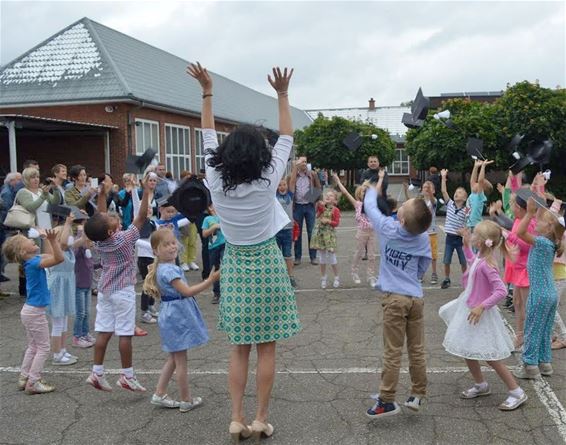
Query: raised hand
x=280 y=80
x=335 y=177
x=444 y=173
x=201 y=74
x=488 y=162
x=50 y=235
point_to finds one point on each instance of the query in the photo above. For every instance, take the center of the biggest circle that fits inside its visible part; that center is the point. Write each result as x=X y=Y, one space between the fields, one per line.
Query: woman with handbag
x=35 y=199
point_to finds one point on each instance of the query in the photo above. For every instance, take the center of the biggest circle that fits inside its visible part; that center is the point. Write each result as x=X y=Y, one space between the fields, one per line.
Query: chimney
x=371 y=104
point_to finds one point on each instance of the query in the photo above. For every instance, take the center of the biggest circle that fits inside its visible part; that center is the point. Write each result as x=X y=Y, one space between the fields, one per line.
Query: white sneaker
x=336 y=282
x=99 y=382
x=153 y=312
x=372 y=282
x=131 y=384
x=323 y=282
x=185 y=267
x=147 y=318
x=188 y=406
x=164 y=401
x=414 y=403
x=71 y=356
x=63 y=360
x=356 y=278
x=193 y=266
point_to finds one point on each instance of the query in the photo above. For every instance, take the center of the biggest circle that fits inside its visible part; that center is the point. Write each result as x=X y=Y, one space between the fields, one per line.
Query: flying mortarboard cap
x=514 y=143
x=352 y=141
x=474 y=147
x=191 y=198
x=138 y=164
x=540 y=152
x=419 y=110
x=62 y=211
x=524 y=194
x=503 y=221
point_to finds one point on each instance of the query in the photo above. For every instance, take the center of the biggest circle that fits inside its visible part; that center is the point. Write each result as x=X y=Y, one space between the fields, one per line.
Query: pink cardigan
x=488 y=288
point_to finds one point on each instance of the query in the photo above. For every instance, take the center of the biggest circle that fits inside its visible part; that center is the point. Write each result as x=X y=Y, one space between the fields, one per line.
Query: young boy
x=405 y=256
x=428 y=192
x=285 y=236
x=479 y=187
x=216 y=242
x=116 y=308
x=456 y=213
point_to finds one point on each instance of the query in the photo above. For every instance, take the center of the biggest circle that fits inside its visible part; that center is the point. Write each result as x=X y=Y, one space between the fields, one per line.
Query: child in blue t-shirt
x=284 y=237
x=19 y=249
x=480 y=187
x=216 y=242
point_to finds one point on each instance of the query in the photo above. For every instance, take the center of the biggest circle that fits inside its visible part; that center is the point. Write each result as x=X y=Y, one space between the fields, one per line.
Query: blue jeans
x=454 y=243
x=284 y=240
x=306 y=212
x=82 y=305
x=215 y=256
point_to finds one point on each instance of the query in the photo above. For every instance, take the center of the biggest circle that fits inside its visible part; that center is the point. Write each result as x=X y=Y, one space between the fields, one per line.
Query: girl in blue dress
x=181 y=325
x=542 y=301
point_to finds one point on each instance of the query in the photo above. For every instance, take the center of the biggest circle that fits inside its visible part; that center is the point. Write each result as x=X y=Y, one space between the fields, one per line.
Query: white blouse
x=249 y=214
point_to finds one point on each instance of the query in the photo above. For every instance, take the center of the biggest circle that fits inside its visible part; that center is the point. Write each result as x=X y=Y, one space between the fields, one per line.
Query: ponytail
x=150 y=286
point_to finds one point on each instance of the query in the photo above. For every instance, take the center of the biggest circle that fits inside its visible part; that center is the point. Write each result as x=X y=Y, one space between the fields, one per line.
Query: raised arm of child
x=522 y=230
x=190 y=291
x=344 y=190
x=443 y=189
x=55 y=255
x=474 y=176
x=141 y=217
x=481 y=175
x=66 y=232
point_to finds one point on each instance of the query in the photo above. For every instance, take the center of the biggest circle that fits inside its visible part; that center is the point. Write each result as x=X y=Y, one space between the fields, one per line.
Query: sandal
x=260 y=429
x=239 y=431
x=475 y=391
x=558 y=344
x=511 y=402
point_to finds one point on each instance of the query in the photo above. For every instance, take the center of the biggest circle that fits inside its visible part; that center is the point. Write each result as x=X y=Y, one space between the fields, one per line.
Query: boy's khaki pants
x=402 y=317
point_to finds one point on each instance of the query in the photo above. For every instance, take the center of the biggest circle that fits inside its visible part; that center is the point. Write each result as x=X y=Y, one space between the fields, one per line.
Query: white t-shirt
x=250 y=214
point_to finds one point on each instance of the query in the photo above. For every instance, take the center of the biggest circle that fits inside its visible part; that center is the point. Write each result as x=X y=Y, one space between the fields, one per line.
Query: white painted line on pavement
x=433 y=370
x=369 y=289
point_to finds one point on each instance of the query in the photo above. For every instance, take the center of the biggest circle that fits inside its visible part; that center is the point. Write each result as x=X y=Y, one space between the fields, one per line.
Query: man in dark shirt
x=371 y=175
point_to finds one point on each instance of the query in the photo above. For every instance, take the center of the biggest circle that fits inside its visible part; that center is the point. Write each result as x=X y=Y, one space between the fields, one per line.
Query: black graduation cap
x=503 y=221
x=474 y=147
x=191 y=198
x=524 y=194
x=450 y=124
x=352 y=141
x=62 y=211
x=538 y=153
x=138 y=164
x=419 y=110
x=514 y=143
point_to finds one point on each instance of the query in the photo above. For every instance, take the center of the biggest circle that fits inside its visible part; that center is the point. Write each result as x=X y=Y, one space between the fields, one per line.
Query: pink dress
x=516 y=272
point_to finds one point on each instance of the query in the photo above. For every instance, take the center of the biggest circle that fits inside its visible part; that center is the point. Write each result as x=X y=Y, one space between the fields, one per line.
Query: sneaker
x=185 y=267
x=323 y=282
x=382 y=409
x=434 y=279
x=22 y=382
x=215 y=299
x=445 y=283
x=193 y=266
x=475 y=391
x=508 y=301
x=512 y=402
x=139 y=332
x=71 y=356
x=81 y=342
x=297 y=261
x=187 y=406
x=314 y=262
x=164 y=401
x=98 y=382
x=372 y=282
x=336 y=283
x=293 y=282
x=39 y=387
x=153 y=312
x=90 y=338
x=530 y=372
x=545 y=369
x=63 y=360
x=356 y=278
x=414 y=403
x=130 y=384
x=147 y=318
x=420 y=280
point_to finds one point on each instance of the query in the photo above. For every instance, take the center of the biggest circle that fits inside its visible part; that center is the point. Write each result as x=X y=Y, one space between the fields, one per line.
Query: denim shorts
x=454 y=242
x=284 y=240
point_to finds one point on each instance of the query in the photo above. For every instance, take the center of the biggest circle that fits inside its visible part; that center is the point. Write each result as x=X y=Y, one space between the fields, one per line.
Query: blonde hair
x=28 y=174
x=556 y=234
x=150 y=286
x=360 y=192
x=490 y=237
x=12 y=248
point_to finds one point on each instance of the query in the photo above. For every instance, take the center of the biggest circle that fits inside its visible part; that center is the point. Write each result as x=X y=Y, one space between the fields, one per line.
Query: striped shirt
x=455 y=218
x=118 y=261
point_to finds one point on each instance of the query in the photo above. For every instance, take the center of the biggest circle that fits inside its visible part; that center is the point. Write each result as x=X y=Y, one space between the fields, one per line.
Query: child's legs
x=433 y=238
x=125 y=348
x=559 y=329
x=448 y=251
x=180 y=358
x=165 y=375
x=548 y=322
x=215 y=257
x=415 y=347
x=395 y=310
x=361 y=243
x=504 y=374
x=538 y=328
x=100 y=346
x=86 y=327
x=520 y=295
x=37 y=331
x=265 y=375
x=80 y=312
x=370 y=243
x=475 y=370
x=58 y=328
x=124 y=310
x=285 y=242
x=191 y=244
x=143 y=264
x=238 y=378
x=461 y=258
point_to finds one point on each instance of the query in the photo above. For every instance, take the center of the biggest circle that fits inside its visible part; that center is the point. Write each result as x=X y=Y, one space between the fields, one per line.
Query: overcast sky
x=343 y=52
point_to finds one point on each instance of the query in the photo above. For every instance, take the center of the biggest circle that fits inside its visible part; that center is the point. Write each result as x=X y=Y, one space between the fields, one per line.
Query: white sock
x=517 y=392
x=63 y=351
x=128 y=372
x=98 y=369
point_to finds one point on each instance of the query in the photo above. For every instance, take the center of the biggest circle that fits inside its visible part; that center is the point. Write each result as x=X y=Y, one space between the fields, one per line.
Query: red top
x=335 y=219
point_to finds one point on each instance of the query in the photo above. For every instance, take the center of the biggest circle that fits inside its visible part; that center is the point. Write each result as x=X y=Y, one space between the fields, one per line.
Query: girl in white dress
x=476 y=330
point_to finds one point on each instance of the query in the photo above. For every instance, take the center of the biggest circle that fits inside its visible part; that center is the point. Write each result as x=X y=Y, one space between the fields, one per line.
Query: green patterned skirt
x=257 y=303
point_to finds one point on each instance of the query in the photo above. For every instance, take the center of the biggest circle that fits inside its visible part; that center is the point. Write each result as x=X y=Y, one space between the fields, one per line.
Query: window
x=221 y=136
x=400 y=164
x=147 y=136
x=177 y=149
x=199 y=150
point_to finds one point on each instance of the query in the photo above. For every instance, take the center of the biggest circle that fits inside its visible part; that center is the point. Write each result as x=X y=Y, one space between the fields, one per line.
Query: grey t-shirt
x=286 y=202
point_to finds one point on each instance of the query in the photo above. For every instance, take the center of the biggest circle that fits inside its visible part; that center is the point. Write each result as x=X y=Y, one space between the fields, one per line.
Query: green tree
x=322 y=143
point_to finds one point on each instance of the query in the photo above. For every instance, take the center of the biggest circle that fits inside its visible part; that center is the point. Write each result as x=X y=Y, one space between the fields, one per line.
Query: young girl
x=19 y=249
x=324 y=235
x=476 y=331
x=181 y=325
x=541 y=305
x=62 y=286
x=365 y=235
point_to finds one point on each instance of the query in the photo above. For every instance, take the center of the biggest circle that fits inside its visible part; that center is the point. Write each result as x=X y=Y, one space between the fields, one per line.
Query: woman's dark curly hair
x=241 y=158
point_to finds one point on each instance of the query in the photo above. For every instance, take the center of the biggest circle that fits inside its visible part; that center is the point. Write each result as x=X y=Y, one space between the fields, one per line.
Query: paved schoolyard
x=325 y=377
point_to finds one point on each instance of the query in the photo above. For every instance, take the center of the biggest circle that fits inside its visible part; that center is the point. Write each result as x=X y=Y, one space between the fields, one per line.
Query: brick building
x=92 y=95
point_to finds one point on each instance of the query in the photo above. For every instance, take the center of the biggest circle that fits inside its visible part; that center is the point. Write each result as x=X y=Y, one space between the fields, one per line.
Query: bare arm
x=280 y=83
x=141 y=217
x=443 y=189
x=102 y=203
x=189 y=291
x=523 y=229
x=293 y=178
x=50 y=260
x=343 y=189
x=201 y=74
x=66 y=232
x=210 y=231
x=474 y=177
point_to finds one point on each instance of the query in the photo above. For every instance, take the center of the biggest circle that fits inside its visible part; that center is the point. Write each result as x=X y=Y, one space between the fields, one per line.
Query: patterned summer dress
x=324 y=235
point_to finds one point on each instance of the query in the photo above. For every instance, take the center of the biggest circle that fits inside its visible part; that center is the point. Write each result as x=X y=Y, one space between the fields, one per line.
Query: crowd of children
x=59 y=281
